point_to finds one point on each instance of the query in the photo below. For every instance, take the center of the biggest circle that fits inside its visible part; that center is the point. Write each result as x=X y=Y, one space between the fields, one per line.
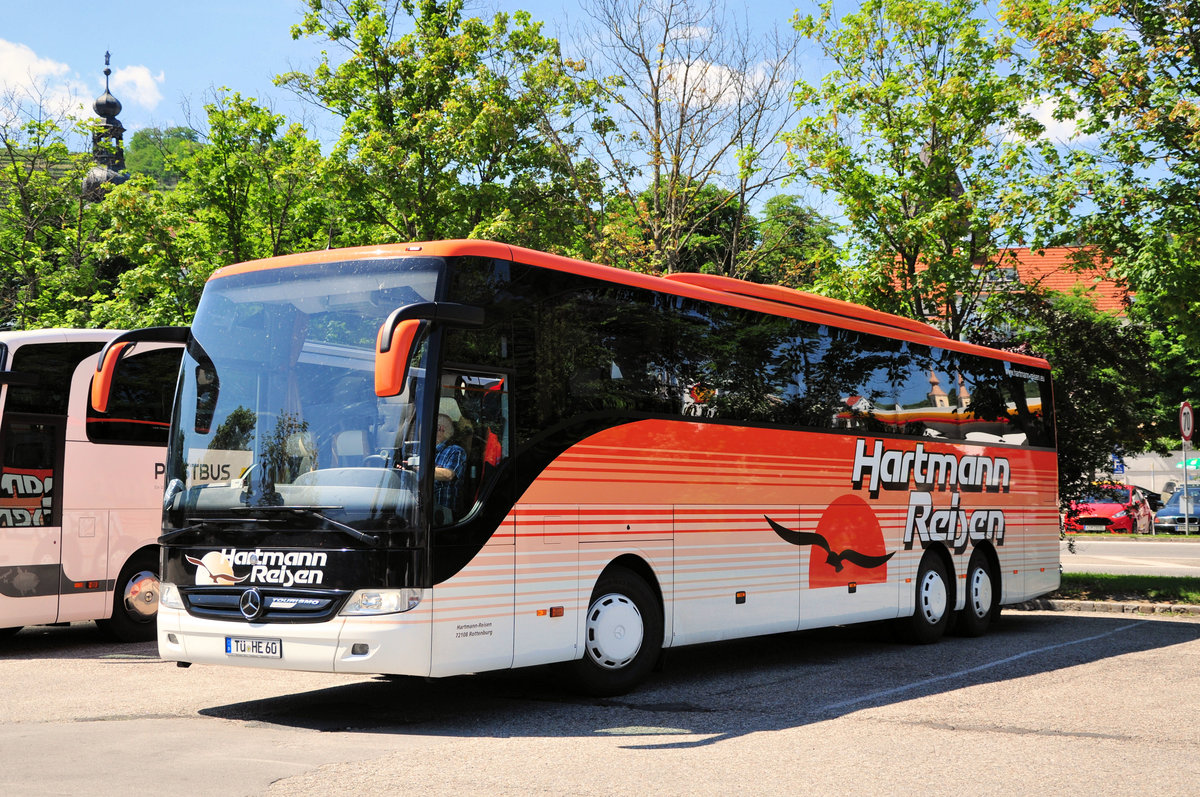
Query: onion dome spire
x=107 y=146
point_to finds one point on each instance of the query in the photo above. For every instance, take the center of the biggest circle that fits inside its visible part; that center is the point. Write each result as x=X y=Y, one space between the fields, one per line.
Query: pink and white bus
x=441 y=458
x=80 y=490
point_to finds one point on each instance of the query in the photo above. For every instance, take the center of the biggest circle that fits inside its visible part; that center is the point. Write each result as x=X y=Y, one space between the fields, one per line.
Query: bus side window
x=482 y=431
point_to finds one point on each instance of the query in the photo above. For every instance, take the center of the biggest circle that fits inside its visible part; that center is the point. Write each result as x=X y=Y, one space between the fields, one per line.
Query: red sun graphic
x=848 y=524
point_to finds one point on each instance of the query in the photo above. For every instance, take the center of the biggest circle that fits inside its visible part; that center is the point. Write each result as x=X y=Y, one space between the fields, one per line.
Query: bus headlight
x=381 y=601
x=168 y=596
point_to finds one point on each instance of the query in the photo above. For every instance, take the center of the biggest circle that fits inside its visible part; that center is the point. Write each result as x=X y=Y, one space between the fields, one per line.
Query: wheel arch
x=639 y=566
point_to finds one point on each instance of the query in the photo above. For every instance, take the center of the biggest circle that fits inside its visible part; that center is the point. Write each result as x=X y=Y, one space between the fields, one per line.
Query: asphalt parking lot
x=1050 y=702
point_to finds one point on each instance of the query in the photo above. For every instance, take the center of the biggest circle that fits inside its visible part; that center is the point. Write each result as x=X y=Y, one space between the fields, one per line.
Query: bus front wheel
x=7 y=632
x=934 y=607
x=623 y=635
x=135 y=601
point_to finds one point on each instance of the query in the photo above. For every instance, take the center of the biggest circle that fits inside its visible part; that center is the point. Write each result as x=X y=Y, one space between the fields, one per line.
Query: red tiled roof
x=1054 y=269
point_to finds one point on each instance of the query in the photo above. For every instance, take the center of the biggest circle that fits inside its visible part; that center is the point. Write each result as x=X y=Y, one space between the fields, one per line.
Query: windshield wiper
x=318 y=513
x=199 y=523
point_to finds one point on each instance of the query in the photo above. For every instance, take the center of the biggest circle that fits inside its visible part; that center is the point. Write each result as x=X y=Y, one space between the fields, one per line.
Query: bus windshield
x=276 y=415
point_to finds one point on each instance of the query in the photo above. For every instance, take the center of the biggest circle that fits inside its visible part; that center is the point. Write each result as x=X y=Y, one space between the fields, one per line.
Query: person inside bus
x=449 y=458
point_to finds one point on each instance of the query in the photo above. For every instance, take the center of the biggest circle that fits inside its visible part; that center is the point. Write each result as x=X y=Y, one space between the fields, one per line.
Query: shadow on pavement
x=722 y=690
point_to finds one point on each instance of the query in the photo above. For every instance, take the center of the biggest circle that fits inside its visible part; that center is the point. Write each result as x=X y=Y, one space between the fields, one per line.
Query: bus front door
x=30 y=530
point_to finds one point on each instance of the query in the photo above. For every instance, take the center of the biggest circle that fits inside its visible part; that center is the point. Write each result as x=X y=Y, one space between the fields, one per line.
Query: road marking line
x=979 y=668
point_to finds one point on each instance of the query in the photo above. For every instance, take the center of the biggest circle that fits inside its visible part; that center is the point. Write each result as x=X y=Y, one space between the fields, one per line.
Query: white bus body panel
x=111 y=507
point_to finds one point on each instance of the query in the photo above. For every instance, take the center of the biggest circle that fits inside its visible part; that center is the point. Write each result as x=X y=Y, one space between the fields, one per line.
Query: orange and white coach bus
x=80 y=490
x=442 y=458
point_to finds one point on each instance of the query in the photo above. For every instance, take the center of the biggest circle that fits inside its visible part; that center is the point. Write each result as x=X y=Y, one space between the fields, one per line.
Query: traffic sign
x=1186 y=421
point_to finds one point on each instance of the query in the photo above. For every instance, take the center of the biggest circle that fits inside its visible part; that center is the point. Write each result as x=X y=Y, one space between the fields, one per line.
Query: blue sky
x=165 y=56
x=169 y=56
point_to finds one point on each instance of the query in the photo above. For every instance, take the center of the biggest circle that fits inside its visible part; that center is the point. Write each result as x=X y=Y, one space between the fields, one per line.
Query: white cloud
x=688 y=82
x=135 y=84
x=1057 y=130
x=45 y=81
x=56 y=89
x=21 y=66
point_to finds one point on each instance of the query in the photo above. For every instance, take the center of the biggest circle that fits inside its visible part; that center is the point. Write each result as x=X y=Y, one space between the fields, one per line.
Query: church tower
x=107 y=144
x=937 y=396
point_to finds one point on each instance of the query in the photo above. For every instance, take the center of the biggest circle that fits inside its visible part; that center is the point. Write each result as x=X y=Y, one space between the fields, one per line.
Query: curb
x=1107 y=607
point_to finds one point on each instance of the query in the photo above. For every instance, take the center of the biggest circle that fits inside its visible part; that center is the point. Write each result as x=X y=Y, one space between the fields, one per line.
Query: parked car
x=1170 y=519
x=1114 y=508
x=1153 y=497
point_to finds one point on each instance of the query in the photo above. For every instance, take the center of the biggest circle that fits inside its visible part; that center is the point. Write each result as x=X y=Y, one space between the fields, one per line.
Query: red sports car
x=1111 y=507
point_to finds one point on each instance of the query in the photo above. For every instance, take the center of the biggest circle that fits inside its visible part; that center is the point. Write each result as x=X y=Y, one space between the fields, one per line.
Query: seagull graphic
x=217 y=578
x=834 y=559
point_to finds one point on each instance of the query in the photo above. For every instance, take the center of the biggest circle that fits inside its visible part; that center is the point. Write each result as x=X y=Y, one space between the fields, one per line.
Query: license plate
x=1095 y=526
x=257 y=648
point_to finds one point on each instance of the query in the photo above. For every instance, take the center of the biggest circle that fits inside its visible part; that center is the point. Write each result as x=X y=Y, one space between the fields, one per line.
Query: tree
x=722 y=230
x=921 y=135
x=796 y=245
x=159 y=153
x=1125 y=74
x=254 y=188
x=458 y=128
x=1106 y=380
x=257 y=182
x=694 y=104
x=48 y=271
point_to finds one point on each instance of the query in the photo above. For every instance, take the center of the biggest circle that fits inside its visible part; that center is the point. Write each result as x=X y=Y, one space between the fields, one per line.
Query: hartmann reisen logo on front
x=277 y=568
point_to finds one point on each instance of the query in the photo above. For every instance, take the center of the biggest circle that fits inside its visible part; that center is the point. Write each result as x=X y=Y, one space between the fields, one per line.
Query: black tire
x=5 y=633
x=623 y=635
x=982 y=601
x=135 y=601
x=933 y=610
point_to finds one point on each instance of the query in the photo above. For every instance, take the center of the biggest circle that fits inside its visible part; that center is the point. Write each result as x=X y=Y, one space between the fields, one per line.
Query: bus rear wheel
x=933 y=611
x=7 y=632
x=983 y=598
x=622 y=635
x=135 y=601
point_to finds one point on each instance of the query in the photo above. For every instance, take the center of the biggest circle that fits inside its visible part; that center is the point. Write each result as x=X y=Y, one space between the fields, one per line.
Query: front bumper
x=397 y=644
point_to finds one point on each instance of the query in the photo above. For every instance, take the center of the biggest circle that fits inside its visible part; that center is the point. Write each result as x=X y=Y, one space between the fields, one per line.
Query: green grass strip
x=1154 y=589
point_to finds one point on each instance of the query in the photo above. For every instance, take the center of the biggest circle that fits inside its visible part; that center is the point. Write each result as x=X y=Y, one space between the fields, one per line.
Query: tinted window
x=52 y=364
x=588 y=348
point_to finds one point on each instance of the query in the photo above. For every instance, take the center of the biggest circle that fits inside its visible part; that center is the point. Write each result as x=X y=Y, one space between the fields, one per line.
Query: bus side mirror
x=110 y=355
x=102 y=381
x=393 y=344
x=392 y=356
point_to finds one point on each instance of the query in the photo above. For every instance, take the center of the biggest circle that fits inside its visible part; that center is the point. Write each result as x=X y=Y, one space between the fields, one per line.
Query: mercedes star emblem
x=251 y=603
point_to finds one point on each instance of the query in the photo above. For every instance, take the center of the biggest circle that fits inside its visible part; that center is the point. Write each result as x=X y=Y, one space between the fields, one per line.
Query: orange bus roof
x=795 y=298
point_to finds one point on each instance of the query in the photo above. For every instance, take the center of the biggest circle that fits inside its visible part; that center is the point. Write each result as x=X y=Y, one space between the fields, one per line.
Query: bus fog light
x=359 y=649
x=168 y=595
x=381 y=601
